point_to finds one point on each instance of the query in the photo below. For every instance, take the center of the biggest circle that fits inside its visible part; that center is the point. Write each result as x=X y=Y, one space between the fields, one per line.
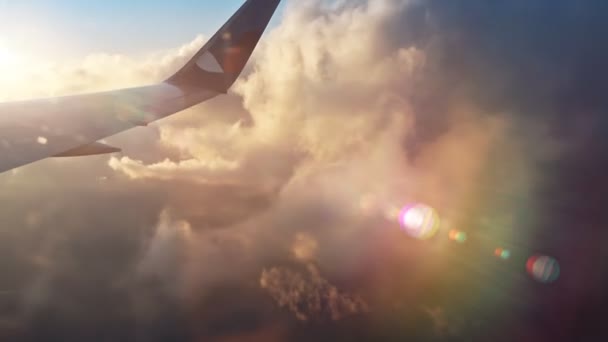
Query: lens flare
x=458 y=236
x=542 y=268
x=419 y=221
x=502 y=253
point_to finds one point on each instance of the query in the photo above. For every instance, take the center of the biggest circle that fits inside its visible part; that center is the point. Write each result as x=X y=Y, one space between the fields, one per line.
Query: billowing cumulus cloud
x=309 y=296
x=277 y=194
x=317 y=97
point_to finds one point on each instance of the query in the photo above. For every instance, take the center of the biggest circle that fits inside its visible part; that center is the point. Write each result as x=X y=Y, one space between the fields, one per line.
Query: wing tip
x=218 y=64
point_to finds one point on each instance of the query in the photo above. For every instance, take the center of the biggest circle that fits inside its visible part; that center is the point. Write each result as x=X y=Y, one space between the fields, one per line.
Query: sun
x=8 y=57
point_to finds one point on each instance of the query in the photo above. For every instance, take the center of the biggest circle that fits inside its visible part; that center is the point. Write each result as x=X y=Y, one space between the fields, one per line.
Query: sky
x=72 y=29
x=281 y=211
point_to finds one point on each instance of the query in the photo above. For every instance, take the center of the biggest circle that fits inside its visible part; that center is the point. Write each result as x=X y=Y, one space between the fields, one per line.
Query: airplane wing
x=72 y=125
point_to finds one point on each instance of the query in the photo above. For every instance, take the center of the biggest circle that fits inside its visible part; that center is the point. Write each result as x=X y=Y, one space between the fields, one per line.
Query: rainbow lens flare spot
x=542 y=268
x=419 y=221
x=502 y=253
x=458 y=236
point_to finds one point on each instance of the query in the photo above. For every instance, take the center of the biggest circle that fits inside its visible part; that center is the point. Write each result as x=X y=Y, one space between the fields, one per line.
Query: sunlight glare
x=8 y=57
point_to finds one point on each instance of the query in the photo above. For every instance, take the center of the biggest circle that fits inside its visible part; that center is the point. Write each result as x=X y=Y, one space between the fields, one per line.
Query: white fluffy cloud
x=326 y=95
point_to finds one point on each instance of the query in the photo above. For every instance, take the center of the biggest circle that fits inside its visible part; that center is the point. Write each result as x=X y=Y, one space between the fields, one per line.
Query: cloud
x=305 y=247
x=336 y=95
x=307 y=98
x=309 y=296
x=165 y=170
x=165 y=248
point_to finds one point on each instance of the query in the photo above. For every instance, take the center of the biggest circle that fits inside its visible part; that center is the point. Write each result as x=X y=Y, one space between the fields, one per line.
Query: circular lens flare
x=502 y=253
x=542 y=268
x=419 y=221
x=458 y=236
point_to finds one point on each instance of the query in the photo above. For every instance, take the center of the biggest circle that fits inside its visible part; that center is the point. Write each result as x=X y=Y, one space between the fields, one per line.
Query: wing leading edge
x=70 y=126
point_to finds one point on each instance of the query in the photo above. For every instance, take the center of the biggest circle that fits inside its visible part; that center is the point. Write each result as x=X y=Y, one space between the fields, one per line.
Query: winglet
x=222 y=59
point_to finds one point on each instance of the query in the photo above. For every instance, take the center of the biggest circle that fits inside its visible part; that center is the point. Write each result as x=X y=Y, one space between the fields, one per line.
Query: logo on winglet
x=209 y=63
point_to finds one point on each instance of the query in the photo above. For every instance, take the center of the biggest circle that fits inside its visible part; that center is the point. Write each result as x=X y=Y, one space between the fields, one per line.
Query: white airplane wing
x=72 y=125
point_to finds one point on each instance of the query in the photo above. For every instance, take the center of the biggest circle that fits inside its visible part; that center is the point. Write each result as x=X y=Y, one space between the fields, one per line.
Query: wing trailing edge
x=89 y=150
